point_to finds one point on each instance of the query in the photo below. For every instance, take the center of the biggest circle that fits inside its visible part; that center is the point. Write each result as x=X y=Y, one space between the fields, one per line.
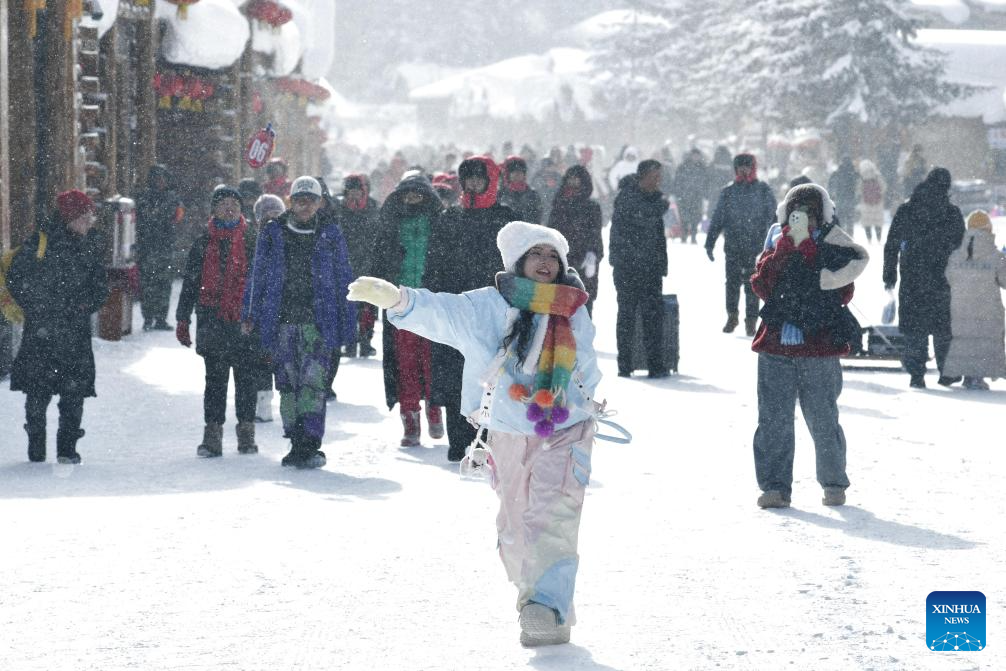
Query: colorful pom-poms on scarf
x=544 y=428
x=560 y=414
x=544 y=398
x=535 y=413
x=518 y=392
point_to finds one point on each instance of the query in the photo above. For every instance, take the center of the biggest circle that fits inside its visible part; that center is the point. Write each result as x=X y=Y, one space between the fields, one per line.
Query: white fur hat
x=517 y=237
x=828 y=206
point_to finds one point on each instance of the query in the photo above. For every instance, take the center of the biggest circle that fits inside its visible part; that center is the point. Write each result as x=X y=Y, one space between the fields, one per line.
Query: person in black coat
x=158 y=212
x=516 y=194
x=744 y=211
x=464 y=258
x=410 y=222
x=924 y=232
x=638 y=257
x=217 y=268
x=359 y=219
x=578 y=217
x=690 y=186
x=58 y=280
x=843 y=185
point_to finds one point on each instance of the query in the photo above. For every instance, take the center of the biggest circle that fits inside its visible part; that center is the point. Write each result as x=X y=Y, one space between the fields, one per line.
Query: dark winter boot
x=435 y=419
x=296 y=455
x=349 y=351
x=313 y=456
x=455 y=453
x=413 y=429
x=36 y=442
x=366 y=349
x=66 y=445
x=732 y=322
x=213 y=441
x=750 y=326
x=246 y=437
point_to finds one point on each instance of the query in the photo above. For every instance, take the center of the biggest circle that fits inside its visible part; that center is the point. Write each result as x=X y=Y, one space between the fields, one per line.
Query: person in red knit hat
x=805 y=277
x=58 y=279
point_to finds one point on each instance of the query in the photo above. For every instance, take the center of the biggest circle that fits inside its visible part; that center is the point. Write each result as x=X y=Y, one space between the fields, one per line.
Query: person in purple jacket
x=296 y=299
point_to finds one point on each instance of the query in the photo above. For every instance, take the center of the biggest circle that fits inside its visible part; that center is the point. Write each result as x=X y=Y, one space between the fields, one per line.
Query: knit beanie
x=268 y=206
x=74 y=203
x=223 y=191
x=517 y=237
x=979 y=220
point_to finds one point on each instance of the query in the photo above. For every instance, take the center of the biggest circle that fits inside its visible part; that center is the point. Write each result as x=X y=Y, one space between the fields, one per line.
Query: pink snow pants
x=540 y=483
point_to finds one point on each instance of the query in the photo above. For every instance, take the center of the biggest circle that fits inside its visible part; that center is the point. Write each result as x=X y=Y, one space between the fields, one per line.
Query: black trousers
x=334 y=368
x=155 y=287
x=71 y=412
x=460 y=433
x=916 y=352
x=639 y=293
x=218 y=371
x=739 y=271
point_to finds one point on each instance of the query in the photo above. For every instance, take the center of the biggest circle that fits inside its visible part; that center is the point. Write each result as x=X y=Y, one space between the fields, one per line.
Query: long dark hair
x=523 y=329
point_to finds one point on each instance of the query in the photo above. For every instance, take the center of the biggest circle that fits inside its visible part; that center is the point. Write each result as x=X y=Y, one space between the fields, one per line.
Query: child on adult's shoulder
x=529 y=378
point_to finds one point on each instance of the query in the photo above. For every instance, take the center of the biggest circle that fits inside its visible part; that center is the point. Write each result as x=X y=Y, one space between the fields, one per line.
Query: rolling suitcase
x=671 y=350
x=884 y=342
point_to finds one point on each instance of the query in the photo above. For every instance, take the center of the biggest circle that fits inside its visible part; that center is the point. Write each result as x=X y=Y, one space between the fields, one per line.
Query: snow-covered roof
x=973 y=57
x=515 y=87
x=316 y=21
x=212 y=36
x=954 y=11
x=421 y=74
x=603 y=25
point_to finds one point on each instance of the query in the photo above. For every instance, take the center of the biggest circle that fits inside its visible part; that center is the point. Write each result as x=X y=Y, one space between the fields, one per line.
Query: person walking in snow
x=516 y=194
x=277 y=183
x=213 y=285
x=976 y=273
x=805 y=278
x=578 y=218
x=744 y=211
x=689 y=187
x=265 y=209
x=58 y=280
x=296 y=298
x=623 y=167
x=924 y=232
x=843 y=185
x=359 y=220
x=872 y=195
x=638 y=258
x=158 y=212
x=469 y=234
x=410 y=226
x=529 y=378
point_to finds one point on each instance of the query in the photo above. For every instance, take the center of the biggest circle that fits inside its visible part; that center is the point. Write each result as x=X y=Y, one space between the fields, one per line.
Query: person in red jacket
x=805 y=276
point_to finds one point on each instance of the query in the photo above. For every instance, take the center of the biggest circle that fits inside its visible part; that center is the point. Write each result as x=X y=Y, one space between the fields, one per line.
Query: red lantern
x=260 y=147
x=269 y=12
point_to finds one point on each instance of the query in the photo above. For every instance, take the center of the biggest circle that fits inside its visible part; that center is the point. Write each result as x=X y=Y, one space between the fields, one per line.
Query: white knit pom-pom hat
x=517 y=237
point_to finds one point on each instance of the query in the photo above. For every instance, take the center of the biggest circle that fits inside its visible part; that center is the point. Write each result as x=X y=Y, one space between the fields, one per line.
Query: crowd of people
x=484 y=280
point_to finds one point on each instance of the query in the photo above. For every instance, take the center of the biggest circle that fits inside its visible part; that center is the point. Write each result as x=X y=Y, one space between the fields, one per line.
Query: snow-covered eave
x=975 y=58
x=213 y=36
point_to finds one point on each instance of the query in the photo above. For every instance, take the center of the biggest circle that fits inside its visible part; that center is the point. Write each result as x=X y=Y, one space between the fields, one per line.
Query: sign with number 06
x=260 y=147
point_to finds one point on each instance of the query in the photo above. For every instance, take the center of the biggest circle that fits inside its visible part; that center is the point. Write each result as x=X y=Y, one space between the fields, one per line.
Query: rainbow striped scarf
x=559 y=301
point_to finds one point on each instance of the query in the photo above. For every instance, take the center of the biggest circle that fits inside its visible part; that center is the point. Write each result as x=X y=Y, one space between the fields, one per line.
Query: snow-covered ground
x=146 y=557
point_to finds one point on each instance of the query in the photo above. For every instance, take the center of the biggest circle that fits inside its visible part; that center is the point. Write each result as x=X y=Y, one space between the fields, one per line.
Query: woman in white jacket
x=976 y=272
x=529 y=378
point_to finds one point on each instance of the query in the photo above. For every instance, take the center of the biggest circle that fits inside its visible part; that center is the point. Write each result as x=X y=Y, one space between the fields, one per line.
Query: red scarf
x=225 y=293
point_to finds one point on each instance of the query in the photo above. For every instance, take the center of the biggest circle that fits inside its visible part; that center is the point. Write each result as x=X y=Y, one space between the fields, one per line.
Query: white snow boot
x=263 y=407
x=540 y=626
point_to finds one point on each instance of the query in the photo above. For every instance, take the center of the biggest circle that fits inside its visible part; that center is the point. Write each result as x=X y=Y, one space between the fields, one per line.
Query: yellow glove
x=375 y=291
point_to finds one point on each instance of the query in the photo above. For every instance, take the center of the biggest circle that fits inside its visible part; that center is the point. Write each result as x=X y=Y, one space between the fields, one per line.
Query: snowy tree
x=806 y=62
x=784 y=62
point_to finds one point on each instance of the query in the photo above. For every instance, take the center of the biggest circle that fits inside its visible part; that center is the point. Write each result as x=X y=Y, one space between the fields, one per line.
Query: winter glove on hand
x=589 y=264
x=182 y=333
x=809 y=250
x=375 y=291
x=785 y=245
x=709 y=253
